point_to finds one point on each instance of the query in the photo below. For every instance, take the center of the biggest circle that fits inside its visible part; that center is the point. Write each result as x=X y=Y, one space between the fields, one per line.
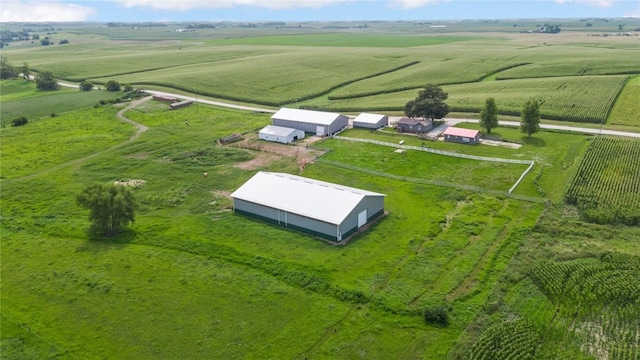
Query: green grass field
x=192 y=279
x=19 y=99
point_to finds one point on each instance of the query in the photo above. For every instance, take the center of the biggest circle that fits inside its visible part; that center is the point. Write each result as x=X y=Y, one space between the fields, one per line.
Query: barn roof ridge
x=311 y=198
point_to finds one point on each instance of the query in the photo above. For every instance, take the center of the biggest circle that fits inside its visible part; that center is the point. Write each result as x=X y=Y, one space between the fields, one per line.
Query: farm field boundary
x=531 y=163
x=605 y=187
x=429 y=182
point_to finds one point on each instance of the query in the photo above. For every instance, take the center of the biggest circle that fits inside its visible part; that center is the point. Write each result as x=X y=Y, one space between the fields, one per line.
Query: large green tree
x=86 y=85
x=112 y=85
x=489 y=115
x=46 y=81
x=111 y=207
x=7 y=71
x=428 y=104
x=530 y=117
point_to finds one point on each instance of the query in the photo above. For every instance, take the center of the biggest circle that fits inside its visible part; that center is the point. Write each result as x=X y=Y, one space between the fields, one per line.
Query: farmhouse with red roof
x=463 y=136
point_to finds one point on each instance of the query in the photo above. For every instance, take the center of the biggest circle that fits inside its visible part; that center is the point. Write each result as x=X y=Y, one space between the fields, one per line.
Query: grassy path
x=140 y=129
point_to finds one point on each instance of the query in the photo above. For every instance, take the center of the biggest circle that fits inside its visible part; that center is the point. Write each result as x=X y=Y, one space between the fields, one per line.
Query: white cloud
x=597 y=3
x=37 y=11
x=413 y=4
x=217 y=4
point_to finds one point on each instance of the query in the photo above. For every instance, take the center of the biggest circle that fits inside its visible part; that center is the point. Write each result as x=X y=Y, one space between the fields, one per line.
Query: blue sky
x=308 y=10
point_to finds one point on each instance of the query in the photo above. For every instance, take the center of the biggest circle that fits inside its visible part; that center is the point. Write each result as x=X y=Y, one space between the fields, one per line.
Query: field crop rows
x=614 y=280
x=509 y=340
x=293 y=68
x=602 y=297
x=606 y=186
x=288 y=76
x=580 y=99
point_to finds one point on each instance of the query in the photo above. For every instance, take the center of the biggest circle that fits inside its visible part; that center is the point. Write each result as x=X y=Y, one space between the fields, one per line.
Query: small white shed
x=280 y=134
x=371 y=121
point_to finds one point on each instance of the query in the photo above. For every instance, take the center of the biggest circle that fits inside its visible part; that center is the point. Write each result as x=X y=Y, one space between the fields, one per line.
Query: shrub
x=436 y=315
x=19 y=121
x=112 y=85
x=86 y=85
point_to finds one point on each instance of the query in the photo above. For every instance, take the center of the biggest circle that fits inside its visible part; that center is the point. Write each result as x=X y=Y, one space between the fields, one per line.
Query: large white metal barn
x=321 y=208
x=317 y=122
x=371 y=121
x=280 y=134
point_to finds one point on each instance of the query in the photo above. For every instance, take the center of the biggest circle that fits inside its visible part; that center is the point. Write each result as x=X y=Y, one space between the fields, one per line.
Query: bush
x=112 y=85
x=86 y=85
x=437 y=315
x=46 y=81
x=19 y=121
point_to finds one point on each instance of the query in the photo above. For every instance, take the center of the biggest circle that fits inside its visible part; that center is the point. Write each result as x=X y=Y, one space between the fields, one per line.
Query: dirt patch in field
x=131 y=182
x=269 y=152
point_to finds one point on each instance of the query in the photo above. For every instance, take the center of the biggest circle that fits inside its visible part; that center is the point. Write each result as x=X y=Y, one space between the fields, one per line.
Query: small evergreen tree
x=530 y=117
x=489 y=115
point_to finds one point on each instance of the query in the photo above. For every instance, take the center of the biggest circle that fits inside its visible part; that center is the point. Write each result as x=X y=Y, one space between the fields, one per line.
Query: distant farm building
x=320 y=208
x=463 y=136
x=370 y=121
x=181 y=104
x=280 y=134
x=408 y=125
x=165 y=98
x=316 y=122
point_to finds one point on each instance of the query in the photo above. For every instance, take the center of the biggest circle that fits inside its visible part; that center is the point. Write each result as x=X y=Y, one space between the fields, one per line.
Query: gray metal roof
x=315 y=199
x=306 y=116
x=278 y=130
x=369 y=118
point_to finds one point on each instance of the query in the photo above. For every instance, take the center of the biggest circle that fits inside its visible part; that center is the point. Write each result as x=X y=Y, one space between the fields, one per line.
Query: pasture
x=192 y=279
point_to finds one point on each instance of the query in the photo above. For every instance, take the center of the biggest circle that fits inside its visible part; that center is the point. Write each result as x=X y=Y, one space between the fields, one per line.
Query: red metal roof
x=461 y=132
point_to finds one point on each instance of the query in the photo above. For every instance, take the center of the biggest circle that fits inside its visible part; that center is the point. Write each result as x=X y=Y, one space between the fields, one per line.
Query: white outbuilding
x=316 y=122
x=371 y=121
x=280 y=134
x=320 y=208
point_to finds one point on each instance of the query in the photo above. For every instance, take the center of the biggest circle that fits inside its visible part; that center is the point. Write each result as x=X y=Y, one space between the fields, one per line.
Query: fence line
x=449 y=153
x=439 y=152
x=429 y=182
x=521 y=178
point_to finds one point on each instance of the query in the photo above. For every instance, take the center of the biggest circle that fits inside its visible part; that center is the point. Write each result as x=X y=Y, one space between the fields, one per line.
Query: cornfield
x=606 y=186
x=603 y=299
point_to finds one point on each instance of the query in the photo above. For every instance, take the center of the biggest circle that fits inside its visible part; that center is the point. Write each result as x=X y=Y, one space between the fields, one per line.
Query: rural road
x=450 y=121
